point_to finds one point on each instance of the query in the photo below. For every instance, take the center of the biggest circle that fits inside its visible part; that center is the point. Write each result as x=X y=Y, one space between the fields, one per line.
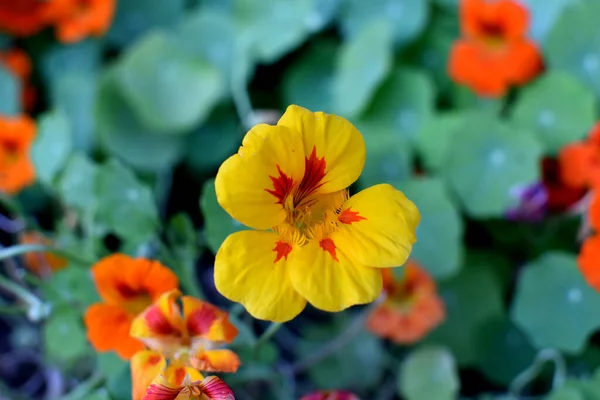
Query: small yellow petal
x=252 y=268
x=146 y=365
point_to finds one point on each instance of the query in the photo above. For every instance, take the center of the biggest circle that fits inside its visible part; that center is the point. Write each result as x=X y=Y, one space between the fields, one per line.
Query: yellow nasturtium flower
x=311 y=242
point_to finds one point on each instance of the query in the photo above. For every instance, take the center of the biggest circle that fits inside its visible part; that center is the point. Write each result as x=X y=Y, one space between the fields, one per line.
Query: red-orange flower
x=211 y=388
x=22 y=17
x=190 y=336
x=18 y=62
x=589 y=255
x=331 y=395
x=580 y=161
x=82 y=18
x=40 y=263
x=16 y=169
x=127 y=286
x=494 y=52
x=412 y=307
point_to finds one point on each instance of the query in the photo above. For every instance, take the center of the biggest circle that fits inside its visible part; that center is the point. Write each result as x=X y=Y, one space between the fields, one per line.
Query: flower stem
x=526 y=377
x=35 y=308
x=13 y=251
x=268 y=334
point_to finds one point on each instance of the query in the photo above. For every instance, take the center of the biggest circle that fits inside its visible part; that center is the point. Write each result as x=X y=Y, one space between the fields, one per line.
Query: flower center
x=492 y=34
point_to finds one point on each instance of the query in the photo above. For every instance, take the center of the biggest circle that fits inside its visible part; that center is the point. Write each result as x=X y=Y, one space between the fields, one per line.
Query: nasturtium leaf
x=125 y=205
x=389 y=155
x=52 y=145
x=569 y=313
x=558 y=108
x=543 y=15
x=10 y=93
x=65 y=327
x=133 y=18
x=76 y=183
x=309 y=81
x=566 y=393
x=169 y=89
x=439 y=246
x=217 y=223
x=339 y=370
x=100 y=394
x=578 y=54
x=404 y=101
x=486 y=161
x=362 y=64
x=408 y=17
x=503 y=350
x=217 y=139
x=124 y=136
x=429 y=373
x=82 y=57
x=470 y=298
x=72 y=286
x=74 y=93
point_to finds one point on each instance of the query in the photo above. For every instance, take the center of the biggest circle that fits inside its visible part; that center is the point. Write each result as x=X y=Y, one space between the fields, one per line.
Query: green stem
x=35 y=308
x=268 y=334
x=526 y=377
x=83 y=390
x=17 y=250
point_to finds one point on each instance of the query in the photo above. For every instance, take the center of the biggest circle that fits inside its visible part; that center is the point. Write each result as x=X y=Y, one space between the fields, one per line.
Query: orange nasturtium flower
x=580 y=161
x=494 y=52
x=210 y=388
x=312 y=243
x=589 y=255
x=190 y=336
x=330 y=395
x=411 y=309
x=127 y=286
x=16 y=169
x=22 y=17
x=78 y=19
x=40 y=263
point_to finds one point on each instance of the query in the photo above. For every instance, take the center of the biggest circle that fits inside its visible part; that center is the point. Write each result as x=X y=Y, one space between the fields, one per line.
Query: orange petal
x=108 y=329
x=146 y=365
x=575 y=160
x=216 y=361
x=207 y=321
x=589 y=259
x=177 y=372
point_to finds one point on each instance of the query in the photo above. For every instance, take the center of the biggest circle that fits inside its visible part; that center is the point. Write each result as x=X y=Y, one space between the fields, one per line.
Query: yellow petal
x=252 y=184
x=329 y=280
x=335 y=139
x=146 y=365
x=378 y=227
x=252 y=268
x=176 y=373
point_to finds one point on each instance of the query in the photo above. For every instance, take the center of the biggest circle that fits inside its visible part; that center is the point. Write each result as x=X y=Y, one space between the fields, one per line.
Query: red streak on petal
x=216 y=389
x=347 y=217
x=180 y=374
x=282 y=186
x=314 y=172
x=200 y=320
x=160 y=392
x=282 y=249
x=129 y=293
x=158 y=323
x=329 y=246
x=154 y=359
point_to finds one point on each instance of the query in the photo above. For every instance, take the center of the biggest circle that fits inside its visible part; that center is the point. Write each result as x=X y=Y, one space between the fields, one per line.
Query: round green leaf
x=134 y=17
x=76 y=183
x=82 y=57
x=558 y=108
x=125 y=205
x=503 y=350
x=364 y=61
x=124 y=136
x=65 y=327
x=577 y=54
x=566 y=393
x=471 y=299
x=170 y=90
x=10 y=93
x=408 y=17
x=486 y=161
x=439 y=246
x=389 y=156
x=52 y=145
x=429 y=373
x=404 y=101
x=217 y=223
x=554 y=305
x=315 y=68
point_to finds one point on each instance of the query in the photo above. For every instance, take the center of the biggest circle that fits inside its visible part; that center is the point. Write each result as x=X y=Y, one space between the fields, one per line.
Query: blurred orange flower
x=494 y=52
x=589 y=255
x=127 y=286
x=23 y=17
x=412 y=307
x=580 y=161
x=18 y=62
x=78 y=19
x=191 y=336
x=40 y=263
x=331 y=395
x=211 y=388
x=16 y=169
